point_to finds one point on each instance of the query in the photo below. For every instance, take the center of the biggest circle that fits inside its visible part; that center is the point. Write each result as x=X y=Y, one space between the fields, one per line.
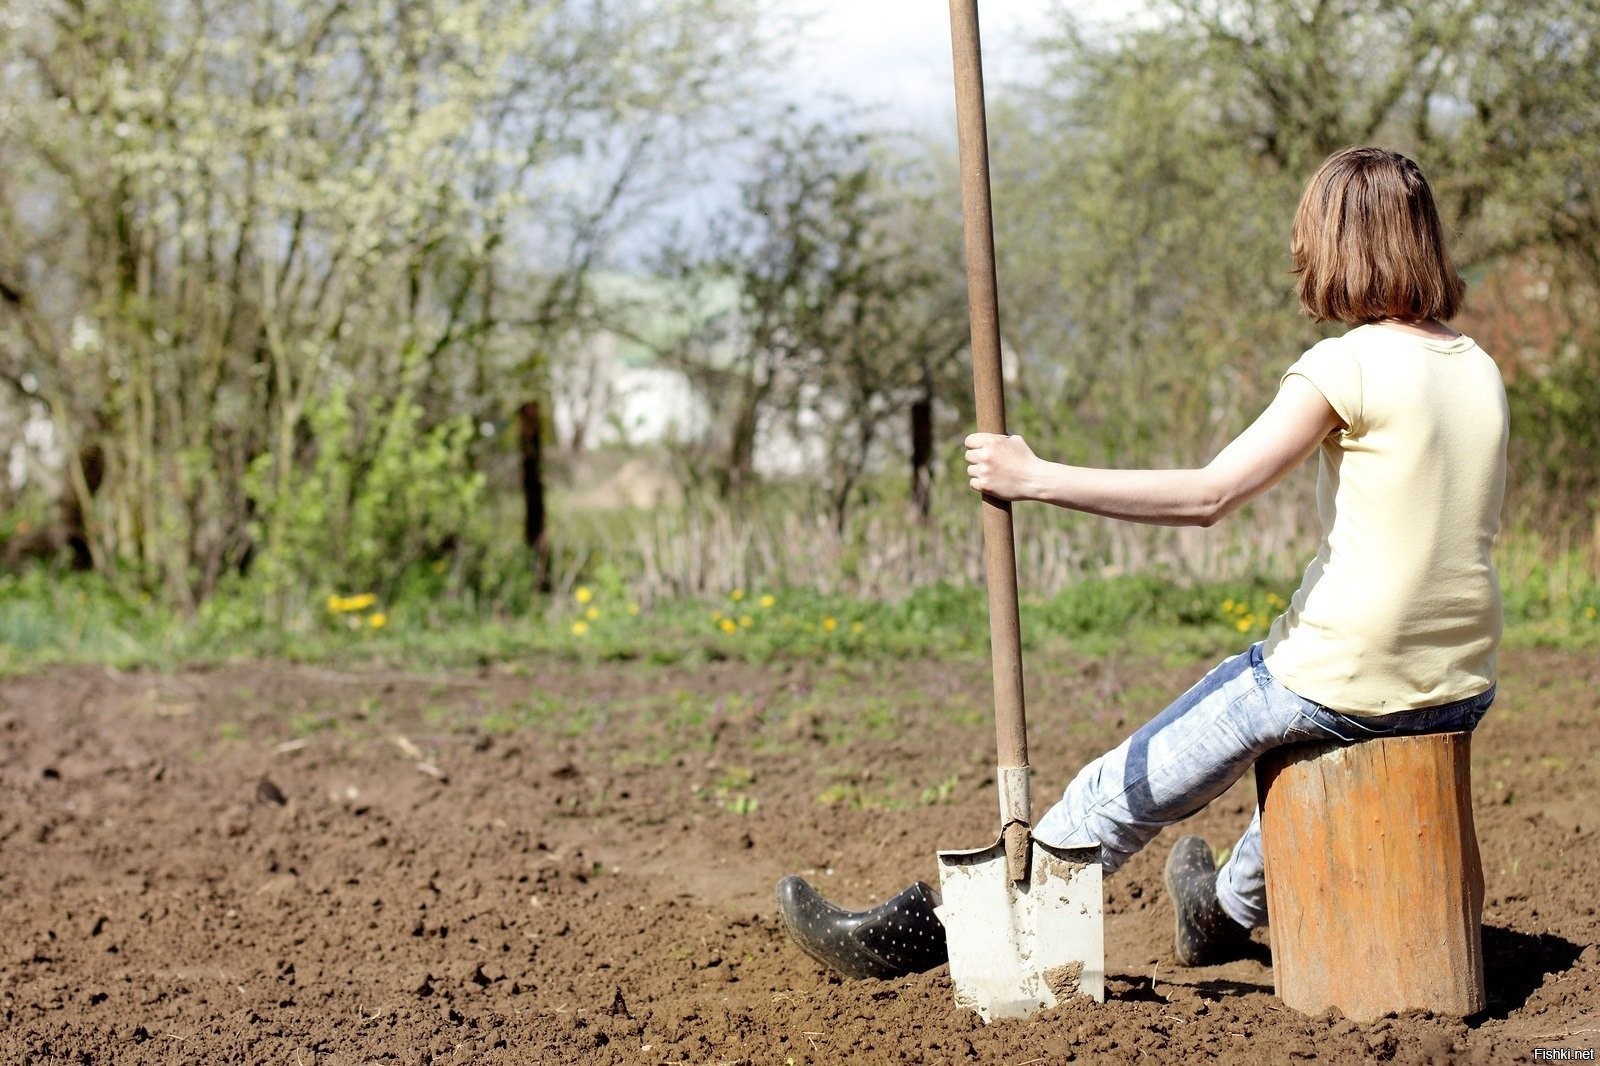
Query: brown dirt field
x=555 y=862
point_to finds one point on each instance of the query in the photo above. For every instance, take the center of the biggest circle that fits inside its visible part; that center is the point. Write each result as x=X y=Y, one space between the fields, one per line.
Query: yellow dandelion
x=579 y=628
x=592 y=613
x=633 y=608
x=728 y=625
x=746 y=621
x=361 y=602
x=716 y=616
x=377 y=620
x=1227 y=606
x=856 y=627
x=335 y=604
x=767 y=600
x=830 y=624
x=583 y=594
x=1589 y=612
x=1242 y=625
x=736 y=595
x=1276 y=600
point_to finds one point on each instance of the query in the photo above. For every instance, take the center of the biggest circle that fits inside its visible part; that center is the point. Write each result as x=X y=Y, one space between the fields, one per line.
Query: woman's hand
x=1002 y=466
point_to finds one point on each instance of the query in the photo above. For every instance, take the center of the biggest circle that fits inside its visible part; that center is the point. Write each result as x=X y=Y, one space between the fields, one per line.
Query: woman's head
x=1367 y=244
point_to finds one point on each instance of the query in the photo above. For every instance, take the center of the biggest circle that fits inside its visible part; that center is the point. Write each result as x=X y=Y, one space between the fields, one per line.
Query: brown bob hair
x=1367 y=244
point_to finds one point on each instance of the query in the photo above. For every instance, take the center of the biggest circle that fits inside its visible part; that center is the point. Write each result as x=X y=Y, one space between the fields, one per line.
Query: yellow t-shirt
x=1400 y=609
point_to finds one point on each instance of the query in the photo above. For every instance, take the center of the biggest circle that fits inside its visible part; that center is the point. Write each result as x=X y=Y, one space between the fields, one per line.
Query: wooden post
x=922 y=457
x=1374 y=884
x=529 y=439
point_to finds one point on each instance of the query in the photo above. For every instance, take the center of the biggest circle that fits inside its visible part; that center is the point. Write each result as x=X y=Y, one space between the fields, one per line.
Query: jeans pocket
x=1322 y=723
x=1303 y=721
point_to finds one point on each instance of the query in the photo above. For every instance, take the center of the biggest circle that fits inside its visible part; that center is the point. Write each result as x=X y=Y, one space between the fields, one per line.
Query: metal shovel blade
x=1019 y=947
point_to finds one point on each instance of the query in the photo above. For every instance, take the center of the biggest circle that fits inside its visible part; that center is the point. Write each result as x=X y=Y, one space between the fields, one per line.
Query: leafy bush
x=365 y=509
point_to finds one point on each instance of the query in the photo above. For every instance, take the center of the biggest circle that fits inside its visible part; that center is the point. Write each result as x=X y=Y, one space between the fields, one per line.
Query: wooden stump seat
x=1374 y=884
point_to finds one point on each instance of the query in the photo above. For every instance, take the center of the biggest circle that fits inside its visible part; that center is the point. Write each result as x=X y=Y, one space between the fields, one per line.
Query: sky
x=892 y=56
x=896 y=53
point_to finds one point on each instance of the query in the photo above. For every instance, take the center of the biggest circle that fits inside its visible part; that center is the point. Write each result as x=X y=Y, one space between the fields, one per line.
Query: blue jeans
x=1190 y=753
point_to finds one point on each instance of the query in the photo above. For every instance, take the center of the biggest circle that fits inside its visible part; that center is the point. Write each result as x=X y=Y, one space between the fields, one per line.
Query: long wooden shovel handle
x=983 y=305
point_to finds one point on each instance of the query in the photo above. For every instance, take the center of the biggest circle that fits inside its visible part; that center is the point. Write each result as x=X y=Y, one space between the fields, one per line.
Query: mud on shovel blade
x=1022 y=919
x=1021 y=946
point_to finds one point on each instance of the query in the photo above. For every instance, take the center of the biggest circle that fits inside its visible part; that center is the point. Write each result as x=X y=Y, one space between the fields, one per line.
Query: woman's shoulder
x=1330 y=354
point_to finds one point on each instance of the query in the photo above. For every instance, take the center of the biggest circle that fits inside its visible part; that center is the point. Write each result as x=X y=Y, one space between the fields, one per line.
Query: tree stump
x=1374 y=884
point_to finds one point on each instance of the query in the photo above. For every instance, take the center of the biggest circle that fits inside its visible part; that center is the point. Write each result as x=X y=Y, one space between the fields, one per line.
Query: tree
x=1144 y=189
x=846 y=309
x=223 y=218
x=1498 y=101
x=1142 y=255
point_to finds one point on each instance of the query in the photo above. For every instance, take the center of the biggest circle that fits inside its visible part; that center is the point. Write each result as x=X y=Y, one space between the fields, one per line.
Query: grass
x=49 y=618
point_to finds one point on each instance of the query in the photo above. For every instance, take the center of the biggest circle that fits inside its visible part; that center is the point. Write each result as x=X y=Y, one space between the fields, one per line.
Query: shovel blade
x=1020 y=947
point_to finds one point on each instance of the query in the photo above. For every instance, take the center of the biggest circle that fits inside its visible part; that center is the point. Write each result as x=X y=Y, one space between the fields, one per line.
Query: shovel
x=1022 y=919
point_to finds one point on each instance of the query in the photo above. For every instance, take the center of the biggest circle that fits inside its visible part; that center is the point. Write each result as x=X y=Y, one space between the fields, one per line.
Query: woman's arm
x=1290 y=429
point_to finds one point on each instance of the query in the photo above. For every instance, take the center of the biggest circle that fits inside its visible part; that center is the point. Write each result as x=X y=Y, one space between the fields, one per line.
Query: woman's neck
x=1431 y=328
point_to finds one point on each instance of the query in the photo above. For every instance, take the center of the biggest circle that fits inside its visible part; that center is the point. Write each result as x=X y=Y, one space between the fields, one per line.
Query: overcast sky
x=896 y=53
x=893 y=56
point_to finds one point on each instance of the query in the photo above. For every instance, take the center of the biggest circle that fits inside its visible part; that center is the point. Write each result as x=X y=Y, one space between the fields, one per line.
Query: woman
x=1395 y=626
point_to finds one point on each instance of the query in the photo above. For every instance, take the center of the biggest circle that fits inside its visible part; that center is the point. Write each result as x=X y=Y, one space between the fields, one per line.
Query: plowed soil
x=561 y=862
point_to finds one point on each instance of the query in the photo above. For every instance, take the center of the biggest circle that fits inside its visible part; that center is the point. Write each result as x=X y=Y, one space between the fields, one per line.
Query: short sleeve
x=1334 y=371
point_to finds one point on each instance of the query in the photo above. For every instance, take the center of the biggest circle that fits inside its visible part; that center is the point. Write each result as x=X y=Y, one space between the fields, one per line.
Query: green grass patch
x=48 y=617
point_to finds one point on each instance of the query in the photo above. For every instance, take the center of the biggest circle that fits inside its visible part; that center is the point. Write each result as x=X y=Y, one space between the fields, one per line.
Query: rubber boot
x=1204 y=934
x=900 y=937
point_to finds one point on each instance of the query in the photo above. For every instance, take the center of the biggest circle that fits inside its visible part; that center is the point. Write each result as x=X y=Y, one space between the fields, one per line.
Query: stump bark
x=1374 y=883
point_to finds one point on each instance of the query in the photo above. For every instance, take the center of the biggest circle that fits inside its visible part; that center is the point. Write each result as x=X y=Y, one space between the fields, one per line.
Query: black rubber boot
x=900 y=937
x=1204 y=933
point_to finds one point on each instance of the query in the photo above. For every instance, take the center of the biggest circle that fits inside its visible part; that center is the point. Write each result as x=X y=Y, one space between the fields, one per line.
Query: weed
x=848 y=791
x=734 y=778
x=655 y=757
x=728 y=792
x=741 y=804
x=841 y=794
x=940 y=793
x=502 y=721
x=879 y=718
x=305 y=723
x=583 y=720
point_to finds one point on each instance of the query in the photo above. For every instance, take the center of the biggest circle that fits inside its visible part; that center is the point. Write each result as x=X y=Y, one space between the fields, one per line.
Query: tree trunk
x=74 y=517
x=739 y=471
x=1374 y=884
